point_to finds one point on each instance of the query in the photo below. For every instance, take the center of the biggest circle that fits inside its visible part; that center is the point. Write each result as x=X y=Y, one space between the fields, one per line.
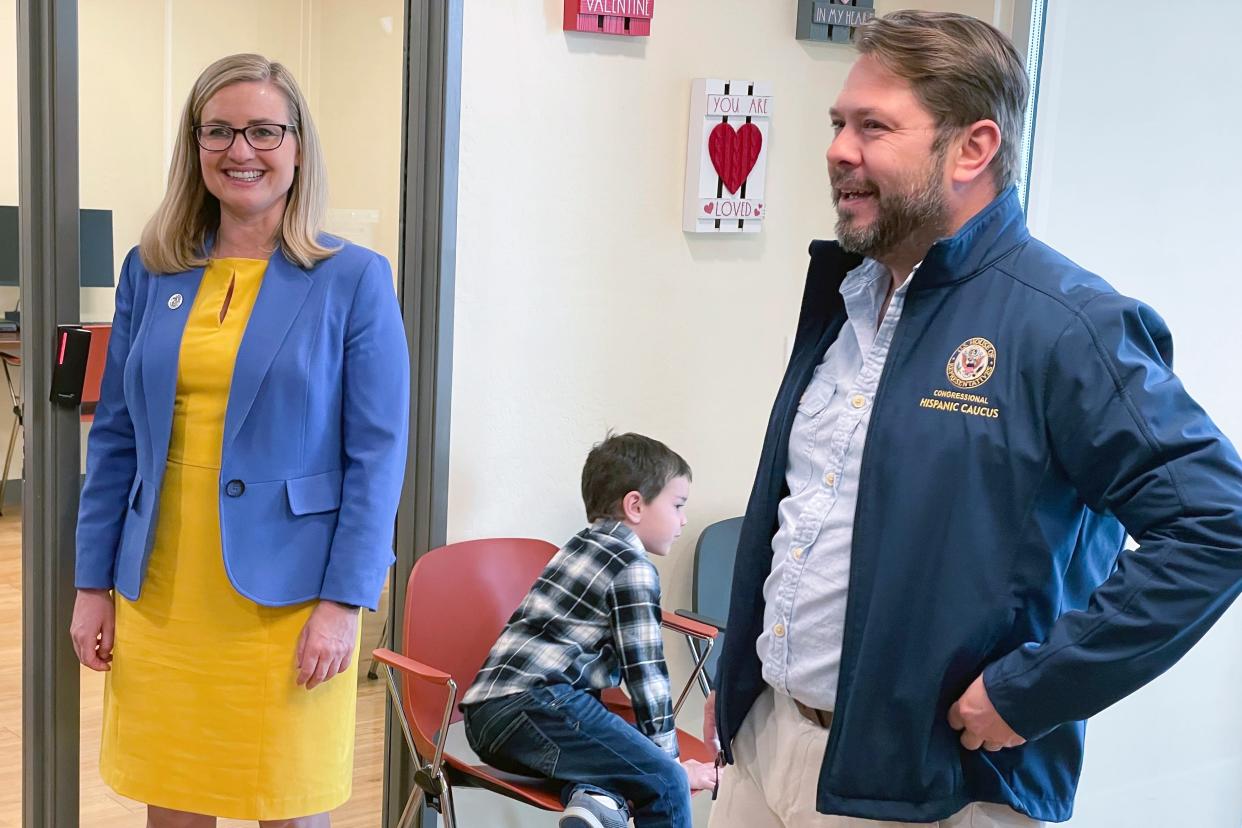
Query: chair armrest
x=412 y=667
x=693 y=629
x=416 y=669
x=702 y=619
x=678 y=622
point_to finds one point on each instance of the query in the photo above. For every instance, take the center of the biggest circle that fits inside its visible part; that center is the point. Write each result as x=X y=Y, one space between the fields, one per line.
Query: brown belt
x=823 y=718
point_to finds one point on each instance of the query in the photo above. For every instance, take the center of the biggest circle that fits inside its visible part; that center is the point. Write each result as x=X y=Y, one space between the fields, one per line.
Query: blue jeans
x=567 y=735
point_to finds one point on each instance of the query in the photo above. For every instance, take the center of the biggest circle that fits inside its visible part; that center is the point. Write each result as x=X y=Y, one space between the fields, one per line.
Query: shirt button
x=859 y=401
x=797 y=552
x=830 y=479
x=235 y=488
x=779 y=630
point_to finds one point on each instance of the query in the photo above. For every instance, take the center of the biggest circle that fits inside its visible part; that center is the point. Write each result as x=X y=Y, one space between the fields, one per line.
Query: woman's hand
x=327 y=642
x=702 y=776
x=93 y=628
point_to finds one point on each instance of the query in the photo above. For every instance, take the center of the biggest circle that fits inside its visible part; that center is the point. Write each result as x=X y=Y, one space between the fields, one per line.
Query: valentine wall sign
x=726 y=156
x=631 y=18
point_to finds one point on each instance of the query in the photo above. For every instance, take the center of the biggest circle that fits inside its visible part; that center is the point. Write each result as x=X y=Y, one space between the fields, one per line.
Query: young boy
x=591 y=619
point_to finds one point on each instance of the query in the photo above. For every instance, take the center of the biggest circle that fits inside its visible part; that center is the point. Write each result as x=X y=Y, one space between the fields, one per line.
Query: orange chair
x=96 y=358
x=458 y=600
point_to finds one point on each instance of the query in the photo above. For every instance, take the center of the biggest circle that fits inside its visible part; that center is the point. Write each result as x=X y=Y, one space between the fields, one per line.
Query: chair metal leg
x=447 y=809
x=698 y=671
x=704 y=685
x=429 y=779
x=372 y=671
x=411 y=807
x=17 y=424
x=394 y=695
x=8 y=459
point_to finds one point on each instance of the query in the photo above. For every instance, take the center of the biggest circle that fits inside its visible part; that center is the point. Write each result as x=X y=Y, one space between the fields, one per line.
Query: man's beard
x=919 y=213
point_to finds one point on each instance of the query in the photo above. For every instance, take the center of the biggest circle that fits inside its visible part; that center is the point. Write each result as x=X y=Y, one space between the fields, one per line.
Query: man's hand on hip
x=981 y=726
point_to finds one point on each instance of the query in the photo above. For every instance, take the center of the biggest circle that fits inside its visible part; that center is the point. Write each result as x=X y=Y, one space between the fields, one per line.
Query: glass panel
x=139 y=59
x=10 y=442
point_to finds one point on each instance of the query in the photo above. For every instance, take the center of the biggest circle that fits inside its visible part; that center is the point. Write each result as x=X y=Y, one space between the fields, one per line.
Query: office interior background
x=578 y=304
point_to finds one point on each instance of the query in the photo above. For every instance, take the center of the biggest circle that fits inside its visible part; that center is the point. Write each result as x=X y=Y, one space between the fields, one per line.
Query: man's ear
x=973 y=150
x=632 y=506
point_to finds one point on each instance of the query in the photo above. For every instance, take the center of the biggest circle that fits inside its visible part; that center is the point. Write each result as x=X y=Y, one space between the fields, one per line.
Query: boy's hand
x=702 y=776
x=711 y=736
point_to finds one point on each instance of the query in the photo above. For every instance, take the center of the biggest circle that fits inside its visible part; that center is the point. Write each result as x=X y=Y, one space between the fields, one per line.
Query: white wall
x=580 y=303
x=1136 y=176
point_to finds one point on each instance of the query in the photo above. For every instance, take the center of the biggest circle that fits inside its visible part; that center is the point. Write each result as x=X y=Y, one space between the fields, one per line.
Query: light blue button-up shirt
x=805 y=595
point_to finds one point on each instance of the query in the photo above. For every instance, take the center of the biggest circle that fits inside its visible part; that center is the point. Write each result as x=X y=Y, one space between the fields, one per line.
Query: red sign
x=631 y=18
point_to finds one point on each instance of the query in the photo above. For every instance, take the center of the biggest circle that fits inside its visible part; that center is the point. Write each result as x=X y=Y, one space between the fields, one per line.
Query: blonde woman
x=242 y=475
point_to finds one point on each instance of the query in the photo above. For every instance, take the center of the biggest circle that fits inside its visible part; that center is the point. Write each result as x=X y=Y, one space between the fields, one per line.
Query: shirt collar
x=864 y=289
x=616 y=528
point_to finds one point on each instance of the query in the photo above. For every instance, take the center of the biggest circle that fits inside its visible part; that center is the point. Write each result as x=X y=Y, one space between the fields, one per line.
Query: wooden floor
x=100 y=807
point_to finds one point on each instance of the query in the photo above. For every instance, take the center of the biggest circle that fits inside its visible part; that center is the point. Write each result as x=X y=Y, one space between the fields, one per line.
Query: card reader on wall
x=73 y=344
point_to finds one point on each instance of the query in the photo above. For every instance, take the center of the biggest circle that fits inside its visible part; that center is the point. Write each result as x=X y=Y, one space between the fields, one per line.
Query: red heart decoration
x=708 y=207
x=734 y=152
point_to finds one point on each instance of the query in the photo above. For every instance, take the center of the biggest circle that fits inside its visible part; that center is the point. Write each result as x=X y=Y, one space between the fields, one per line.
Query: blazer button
x=234 y=488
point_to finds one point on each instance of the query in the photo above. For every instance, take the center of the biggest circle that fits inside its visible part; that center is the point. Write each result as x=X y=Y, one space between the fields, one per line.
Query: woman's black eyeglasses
x=219 y=137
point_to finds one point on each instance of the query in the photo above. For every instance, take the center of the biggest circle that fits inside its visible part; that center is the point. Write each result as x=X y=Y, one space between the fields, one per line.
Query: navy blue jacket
x=987 y=532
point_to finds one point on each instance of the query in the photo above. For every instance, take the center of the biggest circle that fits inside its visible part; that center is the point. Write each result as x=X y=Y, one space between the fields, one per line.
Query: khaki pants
x=778 y=753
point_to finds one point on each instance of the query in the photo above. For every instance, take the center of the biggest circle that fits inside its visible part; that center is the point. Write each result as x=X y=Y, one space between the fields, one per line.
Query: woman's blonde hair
x=175 y=238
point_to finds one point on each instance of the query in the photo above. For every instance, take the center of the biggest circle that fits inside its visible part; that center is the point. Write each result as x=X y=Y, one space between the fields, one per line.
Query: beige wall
x=9 y=183
x=121 y=90
x=8 y=103
x=138 y=60
x=582 y=306
x=356 y=67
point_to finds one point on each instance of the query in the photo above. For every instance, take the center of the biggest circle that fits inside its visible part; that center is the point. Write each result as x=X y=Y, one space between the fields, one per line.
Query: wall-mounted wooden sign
x=832 y=21
x=727 y=156
x=631 y=18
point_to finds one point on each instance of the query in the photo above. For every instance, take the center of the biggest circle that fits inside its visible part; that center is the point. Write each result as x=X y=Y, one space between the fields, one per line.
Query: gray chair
x=713 y=581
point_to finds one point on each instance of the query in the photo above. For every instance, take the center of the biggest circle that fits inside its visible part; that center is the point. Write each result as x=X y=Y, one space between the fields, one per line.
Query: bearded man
x=930 y=594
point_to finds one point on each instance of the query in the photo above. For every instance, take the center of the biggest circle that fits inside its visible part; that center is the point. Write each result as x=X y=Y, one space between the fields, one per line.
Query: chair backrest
x=96 y=358
x=713 y=577
x=458 y=599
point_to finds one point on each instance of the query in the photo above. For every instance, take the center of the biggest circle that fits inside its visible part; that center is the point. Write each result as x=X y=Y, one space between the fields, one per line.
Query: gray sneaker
x=585 y=811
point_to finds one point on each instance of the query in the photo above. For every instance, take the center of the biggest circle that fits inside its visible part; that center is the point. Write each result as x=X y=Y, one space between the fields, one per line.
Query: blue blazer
x=314 y=436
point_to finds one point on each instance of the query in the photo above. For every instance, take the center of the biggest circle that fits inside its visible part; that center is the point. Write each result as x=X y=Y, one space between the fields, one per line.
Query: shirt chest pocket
x=816 y=398
x=809 y=436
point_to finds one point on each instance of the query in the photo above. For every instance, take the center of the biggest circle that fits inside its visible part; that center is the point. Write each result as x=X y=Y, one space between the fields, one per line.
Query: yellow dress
x=202 y=711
